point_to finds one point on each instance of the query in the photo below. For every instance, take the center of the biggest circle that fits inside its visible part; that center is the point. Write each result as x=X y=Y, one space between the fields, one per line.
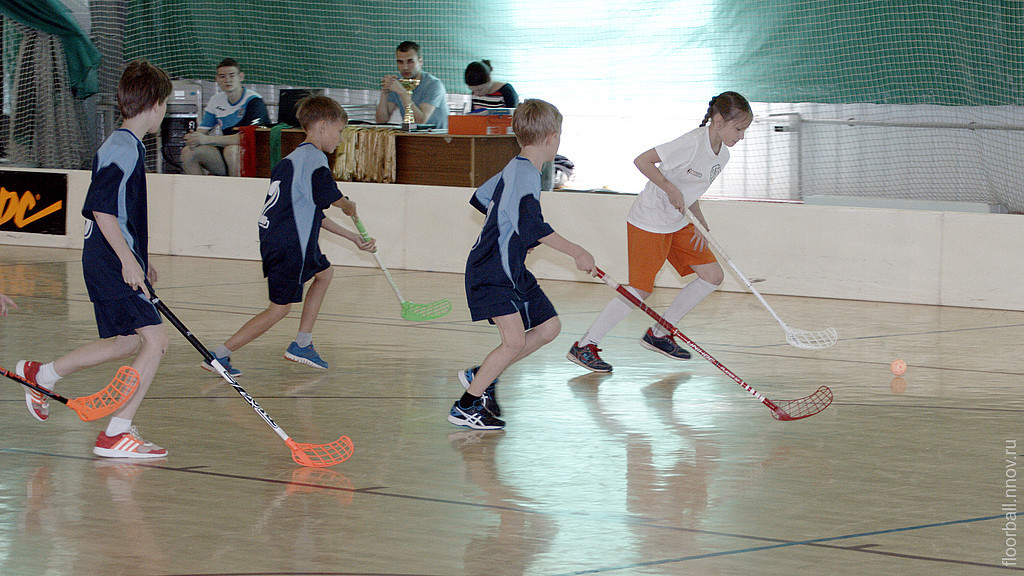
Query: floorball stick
x=785 y=410
x=800 y=338
x=94 y=406
x=410 y=311
x=315 y=455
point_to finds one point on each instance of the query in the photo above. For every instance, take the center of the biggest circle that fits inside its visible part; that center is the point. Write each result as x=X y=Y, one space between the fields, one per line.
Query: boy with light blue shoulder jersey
x=301 y=188
x=115 y=261
x=499 y=288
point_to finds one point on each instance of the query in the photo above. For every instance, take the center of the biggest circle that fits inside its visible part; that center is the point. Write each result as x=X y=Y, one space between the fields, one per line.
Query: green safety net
x=53 y=17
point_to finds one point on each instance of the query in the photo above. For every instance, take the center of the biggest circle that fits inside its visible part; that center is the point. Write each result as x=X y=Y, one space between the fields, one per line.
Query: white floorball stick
x=805 y=339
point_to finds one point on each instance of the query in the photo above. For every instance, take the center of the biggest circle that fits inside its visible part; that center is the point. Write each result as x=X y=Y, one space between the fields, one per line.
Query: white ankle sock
x=47 y=376
x=613 y=313
x=118 y=426
x=222 y=352
x=304 y=339
x=686 y=300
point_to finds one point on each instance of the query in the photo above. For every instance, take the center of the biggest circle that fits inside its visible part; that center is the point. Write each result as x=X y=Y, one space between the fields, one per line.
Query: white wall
x=910 y=256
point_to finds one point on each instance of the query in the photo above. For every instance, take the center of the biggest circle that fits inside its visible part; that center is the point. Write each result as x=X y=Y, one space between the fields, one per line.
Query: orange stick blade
x=110 y=398
x=321 y=455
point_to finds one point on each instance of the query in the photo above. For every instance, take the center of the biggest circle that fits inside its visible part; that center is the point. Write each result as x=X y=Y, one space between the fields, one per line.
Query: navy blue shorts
x=286 y=277
x=123 y=317
x=535 y=309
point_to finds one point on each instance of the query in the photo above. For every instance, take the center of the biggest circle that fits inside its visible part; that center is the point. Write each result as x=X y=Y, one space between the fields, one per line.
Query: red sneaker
x=38 y=406
x=126 y=445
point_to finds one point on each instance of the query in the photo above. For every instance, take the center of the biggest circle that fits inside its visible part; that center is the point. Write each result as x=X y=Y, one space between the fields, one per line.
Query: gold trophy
x=409 y=121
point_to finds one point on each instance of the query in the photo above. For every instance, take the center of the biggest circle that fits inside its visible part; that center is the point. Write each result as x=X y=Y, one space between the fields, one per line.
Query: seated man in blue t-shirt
x=214 y=146
x=429 y=99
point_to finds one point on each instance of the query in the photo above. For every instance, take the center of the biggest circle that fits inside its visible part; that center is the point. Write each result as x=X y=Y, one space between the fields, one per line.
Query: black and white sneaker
x=489 y=398
x=664 y=345
x=476 y=417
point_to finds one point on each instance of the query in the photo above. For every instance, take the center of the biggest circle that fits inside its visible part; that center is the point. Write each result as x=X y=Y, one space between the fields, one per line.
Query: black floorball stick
x=315 y=455
x=785 y=410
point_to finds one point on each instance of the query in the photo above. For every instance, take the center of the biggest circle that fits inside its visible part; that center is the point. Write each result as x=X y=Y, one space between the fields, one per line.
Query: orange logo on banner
x=17 y=209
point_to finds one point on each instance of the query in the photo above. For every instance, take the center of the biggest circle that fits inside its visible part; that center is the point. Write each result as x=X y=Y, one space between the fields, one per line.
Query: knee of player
x=550 y=329
x=713 y=276
x=277 y=312
x=127 y=345
x=514 y=343
x=155 y=339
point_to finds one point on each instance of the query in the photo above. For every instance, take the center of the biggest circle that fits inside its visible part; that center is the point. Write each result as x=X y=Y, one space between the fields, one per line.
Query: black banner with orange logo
x=34 y=202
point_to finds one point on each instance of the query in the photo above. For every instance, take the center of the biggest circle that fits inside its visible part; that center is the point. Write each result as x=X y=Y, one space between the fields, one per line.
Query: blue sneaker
x=490 y=401
x=664 y=345
x=588 y=357
x=225 y=361
x=307 y=356
x=476 y=417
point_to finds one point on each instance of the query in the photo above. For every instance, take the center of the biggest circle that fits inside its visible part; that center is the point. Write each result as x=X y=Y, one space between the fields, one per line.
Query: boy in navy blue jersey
x=115 y=260
x=499 y=288
x=301 y=188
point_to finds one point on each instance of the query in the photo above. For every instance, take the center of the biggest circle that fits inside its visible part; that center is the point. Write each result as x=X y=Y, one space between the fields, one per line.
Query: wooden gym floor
x=662 y=467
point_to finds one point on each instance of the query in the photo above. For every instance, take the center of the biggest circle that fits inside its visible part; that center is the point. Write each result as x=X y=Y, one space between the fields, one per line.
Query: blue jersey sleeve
x=103 y=191
x=532 y=226
x=325 y=189
x=208 y=122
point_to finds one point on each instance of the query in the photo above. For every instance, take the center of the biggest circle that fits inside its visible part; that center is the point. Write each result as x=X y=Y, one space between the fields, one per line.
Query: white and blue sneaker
x=490 y=401
x=225 y=361
x=307 y=356
x=476 y=417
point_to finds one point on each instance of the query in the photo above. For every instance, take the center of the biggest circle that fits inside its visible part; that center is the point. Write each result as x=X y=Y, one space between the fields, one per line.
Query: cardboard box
x=480 y=124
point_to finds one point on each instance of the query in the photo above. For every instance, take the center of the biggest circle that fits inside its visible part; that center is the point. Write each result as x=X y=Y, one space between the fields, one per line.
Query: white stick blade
x=812 y=340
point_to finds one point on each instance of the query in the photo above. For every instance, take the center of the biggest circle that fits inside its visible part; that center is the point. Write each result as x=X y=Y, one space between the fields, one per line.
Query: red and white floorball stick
x=785 y=410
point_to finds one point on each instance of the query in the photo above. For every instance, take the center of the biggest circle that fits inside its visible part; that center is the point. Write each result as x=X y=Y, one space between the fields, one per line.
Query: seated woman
x=488 y=93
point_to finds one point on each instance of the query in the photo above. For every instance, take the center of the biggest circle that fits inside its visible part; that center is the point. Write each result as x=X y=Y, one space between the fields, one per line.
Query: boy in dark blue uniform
x=115 y=261
x=301 y=188
x=499 y=288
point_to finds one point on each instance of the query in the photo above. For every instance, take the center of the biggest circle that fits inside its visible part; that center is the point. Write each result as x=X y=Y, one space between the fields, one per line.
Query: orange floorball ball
x=898 y=367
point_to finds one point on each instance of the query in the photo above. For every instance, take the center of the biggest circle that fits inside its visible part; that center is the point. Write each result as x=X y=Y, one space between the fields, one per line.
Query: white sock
x=47 y=376
x=613 y=313
x=686 y=300
x=222 y=352
x=304 y=339
x=118 y=426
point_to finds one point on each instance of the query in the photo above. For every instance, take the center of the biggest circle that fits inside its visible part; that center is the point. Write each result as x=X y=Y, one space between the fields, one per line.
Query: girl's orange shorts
x=648 y=252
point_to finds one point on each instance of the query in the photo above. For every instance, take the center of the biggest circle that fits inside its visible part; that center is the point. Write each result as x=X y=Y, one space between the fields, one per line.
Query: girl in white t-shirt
x=678 y=173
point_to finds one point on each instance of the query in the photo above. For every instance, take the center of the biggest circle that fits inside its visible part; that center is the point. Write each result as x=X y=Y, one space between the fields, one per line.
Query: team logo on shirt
x=715 y=171
x=693 y=172
x=272 y=197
